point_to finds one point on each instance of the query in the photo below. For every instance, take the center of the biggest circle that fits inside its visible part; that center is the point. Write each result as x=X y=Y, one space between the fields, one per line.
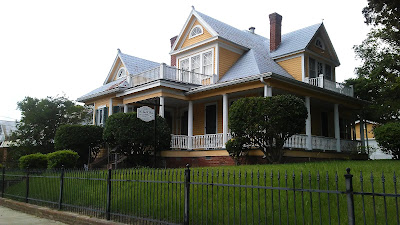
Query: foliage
x=236 y=148
x=134 y=138
x=268 y=122
x=33 y=161
x=79 y=138
x=387 y=136
x=40 y=119
x=379 y=76
x=66 y=158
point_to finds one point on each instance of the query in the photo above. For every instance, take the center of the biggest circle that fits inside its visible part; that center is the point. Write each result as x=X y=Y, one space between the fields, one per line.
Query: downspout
x=267 y=89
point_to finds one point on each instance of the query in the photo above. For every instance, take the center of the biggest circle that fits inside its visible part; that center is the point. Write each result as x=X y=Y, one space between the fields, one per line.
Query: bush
x=387 y=136
x=236 y=149
x=79 y=138
x=66 y=158
x=33 y=161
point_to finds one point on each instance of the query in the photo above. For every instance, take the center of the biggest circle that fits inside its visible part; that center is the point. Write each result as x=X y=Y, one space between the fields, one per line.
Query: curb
x=47 y=213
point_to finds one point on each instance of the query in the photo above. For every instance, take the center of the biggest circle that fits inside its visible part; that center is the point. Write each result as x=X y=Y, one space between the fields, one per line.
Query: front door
x=211 y=119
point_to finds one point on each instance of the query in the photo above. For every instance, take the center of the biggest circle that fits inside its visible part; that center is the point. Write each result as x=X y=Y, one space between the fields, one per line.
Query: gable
x=114 y=69
x=193 y=40
x=326 y=51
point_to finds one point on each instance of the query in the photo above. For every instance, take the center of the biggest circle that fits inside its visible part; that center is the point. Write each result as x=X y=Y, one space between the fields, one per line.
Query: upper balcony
x=322 y=82
x=171 y=73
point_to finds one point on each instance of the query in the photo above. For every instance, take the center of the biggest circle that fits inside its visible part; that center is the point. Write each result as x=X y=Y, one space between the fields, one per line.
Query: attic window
x=121 y=73
x=196 y=31
x=319 y=43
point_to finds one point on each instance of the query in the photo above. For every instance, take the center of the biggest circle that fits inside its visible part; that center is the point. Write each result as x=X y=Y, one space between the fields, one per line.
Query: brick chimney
x=275 y=21
x=173 y=58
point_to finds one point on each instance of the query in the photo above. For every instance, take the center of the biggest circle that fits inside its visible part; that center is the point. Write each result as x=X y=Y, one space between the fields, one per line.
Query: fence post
x=350 y=197
x=61 y=188
x=27 y=185
x=187 y=189
x=108 y=207
x=3 y=180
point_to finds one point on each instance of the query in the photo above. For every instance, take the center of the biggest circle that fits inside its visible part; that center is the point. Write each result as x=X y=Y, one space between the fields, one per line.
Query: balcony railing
x=215 y=141
x=170 y=73
x=321 y=82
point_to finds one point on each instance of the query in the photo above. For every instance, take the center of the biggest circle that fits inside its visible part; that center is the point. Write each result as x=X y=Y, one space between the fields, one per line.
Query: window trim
x=191 y=30
x=122 y=75
x=316 y=68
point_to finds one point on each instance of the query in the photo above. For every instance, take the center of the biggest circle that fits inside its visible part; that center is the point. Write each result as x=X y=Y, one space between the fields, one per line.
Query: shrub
x=387 y=136
x=268 y=122
x=79 y=138
x=236 y=148
x=66 y=158
x=33 y=161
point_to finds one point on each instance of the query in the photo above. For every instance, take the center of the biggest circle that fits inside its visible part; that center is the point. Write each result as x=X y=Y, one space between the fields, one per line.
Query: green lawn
x=222 y=204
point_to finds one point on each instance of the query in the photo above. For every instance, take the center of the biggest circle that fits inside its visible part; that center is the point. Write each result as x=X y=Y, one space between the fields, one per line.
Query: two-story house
x=212 y=65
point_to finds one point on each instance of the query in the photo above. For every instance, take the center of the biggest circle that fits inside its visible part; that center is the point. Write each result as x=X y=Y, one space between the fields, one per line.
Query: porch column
x=125 y=108
x=94 y=113
x=224 y=119
x=161 y=112
x=337 y=128
x=190 y=124
x=308 y=123
x=362 y=133
x=267 y=91
x=110 y=108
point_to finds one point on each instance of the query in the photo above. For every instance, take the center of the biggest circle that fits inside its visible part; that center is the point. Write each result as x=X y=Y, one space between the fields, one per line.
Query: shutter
x=96 y=116
x=105 y=114
x=116 y=109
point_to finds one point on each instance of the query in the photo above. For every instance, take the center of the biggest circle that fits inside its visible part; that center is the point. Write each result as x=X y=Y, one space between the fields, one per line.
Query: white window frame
x=123 y=74
x=189 y=57
x=100 y=115
x=197 y=26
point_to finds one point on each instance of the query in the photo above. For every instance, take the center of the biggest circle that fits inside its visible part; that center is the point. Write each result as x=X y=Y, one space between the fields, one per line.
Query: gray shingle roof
x=133 y=64
x=136 y=65
x=296 y=40
x=255 y=61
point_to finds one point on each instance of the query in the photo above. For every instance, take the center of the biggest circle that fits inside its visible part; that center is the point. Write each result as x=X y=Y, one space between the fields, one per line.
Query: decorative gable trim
x=115 y=64
x=201 y=21
x=327 y=41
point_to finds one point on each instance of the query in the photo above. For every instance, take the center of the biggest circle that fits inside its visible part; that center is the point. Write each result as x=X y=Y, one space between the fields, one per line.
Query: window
x=101 y=115
x=200 y=63
x=196 y=31
x=121 y=73
x=316 y=68
x=195 y=64
x=207 y=63
x=319 y=43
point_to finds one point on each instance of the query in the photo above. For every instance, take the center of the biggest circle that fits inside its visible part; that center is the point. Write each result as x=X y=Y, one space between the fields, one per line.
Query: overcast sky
x=50 y=48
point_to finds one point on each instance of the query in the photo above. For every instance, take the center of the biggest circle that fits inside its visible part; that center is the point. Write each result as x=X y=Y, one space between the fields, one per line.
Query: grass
x=218 y=203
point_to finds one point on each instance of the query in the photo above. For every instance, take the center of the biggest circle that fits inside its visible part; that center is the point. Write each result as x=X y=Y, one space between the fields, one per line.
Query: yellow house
x=213 y=64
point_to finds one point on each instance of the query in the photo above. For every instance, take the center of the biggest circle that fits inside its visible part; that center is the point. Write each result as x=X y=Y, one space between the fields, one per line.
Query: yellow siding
x=116 y=70
x=293 y=67
x=370 y=128
x=190 y=41
x=226 y=60
x=102 y=102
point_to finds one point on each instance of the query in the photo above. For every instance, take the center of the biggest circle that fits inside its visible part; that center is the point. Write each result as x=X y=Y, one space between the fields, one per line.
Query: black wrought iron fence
x=210 y=196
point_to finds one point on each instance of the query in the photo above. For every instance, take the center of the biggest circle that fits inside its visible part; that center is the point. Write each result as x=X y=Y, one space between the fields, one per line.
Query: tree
x=268 y=122
x=40 y=120
x=378 y=78
x=81 y=139
x=134 y=138
x=236 y=148
x=387 y=136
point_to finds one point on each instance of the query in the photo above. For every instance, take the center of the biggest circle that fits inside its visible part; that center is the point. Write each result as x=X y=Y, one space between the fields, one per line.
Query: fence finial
x=348 y=170
x=187 y=166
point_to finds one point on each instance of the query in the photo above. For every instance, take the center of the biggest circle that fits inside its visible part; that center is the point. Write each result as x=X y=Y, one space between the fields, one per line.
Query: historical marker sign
x=145 y=113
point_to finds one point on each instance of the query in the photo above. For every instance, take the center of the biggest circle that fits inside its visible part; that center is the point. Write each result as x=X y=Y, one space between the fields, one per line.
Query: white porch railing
x=170 y=73
x=215 y=141
x=321 y=82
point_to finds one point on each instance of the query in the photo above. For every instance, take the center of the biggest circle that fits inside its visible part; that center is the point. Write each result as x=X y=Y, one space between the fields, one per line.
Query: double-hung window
x=207 y=63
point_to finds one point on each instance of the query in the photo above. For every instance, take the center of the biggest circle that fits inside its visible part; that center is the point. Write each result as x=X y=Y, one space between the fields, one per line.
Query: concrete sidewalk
x=9 y=216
